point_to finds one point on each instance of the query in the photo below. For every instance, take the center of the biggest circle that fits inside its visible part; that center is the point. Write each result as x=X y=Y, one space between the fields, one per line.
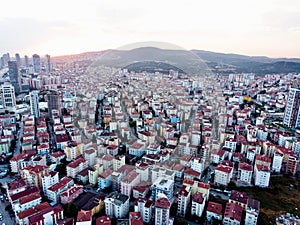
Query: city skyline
x=268 y=28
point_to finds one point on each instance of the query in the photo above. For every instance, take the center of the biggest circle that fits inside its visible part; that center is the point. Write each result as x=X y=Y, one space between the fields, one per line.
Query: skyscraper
x=54 y=102
x=14 y=75
x=34 y=104
x=36 y=61
x=18 y=59
x=292 y=112
x=26 y=61
x=8 y=96
x=47 y=64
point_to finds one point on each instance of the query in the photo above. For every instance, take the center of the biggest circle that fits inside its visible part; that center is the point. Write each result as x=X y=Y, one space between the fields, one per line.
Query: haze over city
x=270 y=28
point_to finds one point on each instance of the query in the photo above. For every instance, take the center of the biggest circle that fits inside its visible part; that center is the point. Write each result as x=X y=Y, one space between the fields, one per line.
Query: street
x=19 y=136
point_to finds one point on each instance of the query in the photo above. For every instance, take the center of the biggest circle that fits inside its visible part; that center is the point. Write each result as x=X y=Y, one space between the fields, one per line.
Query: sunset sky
x=252 y=27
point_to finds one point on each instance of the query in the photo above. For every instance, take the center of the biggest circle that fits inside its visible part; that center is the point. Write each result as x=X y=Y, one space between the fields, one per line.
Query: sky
x=59 y=27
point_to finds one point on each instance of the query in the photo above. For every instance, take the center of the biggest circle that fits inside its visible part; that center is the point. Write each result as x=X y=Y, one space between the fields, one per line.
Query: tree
x=180 y=221
x=61 y=168
x=70 y=210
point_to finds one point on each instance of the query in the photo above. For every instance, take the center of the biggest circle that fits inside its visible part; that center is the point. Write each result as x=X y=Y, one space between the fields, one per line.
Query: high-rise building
x=5 y=58
x=26 y=61
x=292 y=112
x=54 y=103
x=34 y=104
x=14 y=75
x=8 y=96
x=18 y=59
x=47 y=64
x=36 y=61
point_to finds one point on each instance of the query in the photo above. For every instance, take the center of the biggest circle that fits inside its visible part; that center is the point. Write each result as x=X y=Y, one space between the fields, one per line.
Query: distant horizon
x=22 y=55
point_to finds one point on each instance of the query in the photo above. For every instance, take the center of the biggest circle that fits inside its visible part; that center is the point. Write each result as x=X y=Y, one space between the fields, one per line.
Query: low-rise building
x=55 y=190
x=214 y=211
x=233 y=214
x=73 y=168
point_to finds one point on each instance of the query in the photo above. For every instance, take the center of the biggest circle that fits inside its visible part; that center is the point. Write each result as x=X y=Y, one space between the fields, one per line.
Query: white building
x=163 y=186
x=230 y=143
x=296 y=147
x=162 y=211
x=159 y=172
x=245 y=172
x=116 y=205
x=73 y=168
x=198 y=204
x=184 y=197
x=197 y=164
x=223 y=175
x=34 y=104
x=55 y=190
x=118 y=162
x=48 y=180
x=252 y=211
x=129 y=182
x=8 y=96
x=261 y=175
x=144 y=206
x=143 y=169
x=277 y=162
x=292 y=112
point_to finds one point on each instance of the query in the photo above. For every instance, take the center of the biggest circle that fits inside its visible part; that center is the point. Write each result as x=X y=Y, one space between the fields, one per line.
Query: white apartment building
x=55 y=190
x=8 y=96
x=223 y=175
x=252 y=212
x=116 y=205
x=184 y=197
x=48 y=180
x=277 y=162
x=292 y=112
x=245 y=172
x=144 y=206
x=159 y=172
x=261 y=176
x=230 y=143
x=143 y=169
x=163 y=186
x=129 y=182
x=198 y=204
x=118 y=162
x=197 y=164
x=34 y=103
x=162 y=211
x=73 y=168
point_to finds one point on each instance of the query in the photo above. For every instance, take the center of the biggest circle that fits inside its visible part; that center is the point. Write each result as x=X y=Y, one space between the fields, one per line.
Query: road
x=19 y=137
